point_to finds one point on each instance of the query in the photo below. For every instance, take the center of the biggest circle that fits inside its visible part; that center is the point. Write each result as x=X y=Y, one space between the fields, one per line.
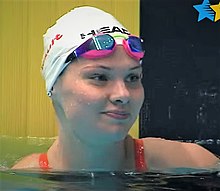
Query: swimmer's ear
x=54 y=92
x=50 y=92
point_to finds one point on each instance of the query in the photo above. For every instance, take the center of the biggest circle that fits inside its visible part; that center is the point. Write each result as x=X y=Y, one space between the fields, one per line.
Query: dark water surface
x=178 y=179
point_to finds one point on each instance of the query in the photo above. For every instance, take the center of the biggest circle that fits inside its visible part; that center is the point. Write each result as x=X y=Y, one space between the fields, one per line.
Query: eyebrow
x=108 y=68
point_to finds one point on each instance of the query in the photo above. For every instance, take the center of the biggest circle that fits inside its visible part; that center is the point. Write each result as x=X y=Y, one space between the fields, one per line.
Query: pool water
x=14 y=148
x=11 y=149
x=106 y=181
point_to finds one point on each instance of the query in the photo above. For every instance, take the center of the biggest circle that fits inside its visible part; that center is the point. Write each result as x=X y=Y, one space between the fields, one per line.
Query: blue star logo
x=205 y=11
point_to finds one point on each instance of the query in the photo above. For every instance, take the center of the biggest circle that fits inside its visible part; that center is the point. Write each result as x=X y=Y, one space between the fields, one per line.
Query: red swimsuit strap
x=140 y=163
x=43 y=161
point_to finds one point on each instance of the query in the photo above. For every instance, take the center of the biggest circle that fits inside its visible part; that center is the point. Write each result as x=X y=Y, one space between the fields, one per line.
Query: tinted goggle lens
x=135 y=44
x=101 y=42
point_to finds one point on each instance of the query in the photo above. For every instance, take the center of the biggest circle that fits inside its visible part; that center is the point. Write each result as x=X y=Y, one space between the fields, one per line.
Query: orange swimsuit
x=140 y=164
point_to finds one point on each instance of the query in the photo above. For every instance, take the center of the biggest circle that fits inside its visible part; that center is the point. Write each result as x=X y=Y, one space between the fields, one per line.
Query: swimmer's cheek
x=28 y=162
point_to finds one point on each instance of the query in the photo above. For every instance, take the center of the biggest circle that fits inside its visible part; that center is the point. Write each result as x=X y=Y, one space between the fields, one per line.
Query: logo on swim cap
x=106 y=29
x=57 y=37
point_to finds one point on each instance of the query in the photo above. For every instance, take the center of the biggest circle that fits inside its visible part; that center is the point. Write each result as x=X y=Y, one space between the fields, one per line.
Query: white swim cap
x=69 y=32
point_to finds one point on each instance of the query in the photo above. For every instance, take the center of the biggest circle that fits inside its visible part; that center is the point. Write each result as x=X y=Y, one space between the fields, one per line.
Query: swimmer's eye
x=134 y=78
x=99 y=77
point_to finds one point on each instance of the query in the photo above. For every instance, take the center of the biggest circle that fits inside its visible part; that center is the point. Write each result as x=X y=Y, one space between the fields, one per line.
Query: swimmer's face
x=101 y=98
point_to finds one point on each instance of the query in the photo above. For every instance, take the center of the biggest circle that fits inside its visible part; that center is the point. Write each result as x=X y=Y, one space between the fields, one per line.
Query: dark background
x=181 y=73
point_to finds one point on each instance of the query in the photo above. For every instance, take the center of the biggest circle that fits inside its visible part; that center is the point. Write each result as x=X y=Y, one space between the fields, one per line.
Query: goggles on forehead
x=103 y=45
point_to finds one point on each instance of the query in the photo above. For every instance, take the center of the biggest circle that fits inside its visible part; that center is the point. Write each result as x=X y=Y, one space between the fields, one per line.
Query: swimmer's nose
x=120 y=93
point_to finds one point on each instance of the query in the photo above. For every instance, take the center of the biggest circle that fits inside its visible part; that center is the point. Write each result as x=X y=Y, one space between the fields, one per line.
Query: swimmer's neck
x=71 y=154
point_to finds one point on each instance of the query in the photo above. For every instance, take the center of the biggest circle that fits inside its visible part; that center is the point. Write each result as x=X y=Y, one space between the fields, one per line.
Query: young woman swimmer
x=92 y=68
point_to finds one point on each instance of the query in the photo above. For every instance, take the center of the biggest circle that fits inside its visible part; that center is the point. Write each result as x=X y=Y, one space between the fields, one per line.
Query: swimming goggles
x=103 y=45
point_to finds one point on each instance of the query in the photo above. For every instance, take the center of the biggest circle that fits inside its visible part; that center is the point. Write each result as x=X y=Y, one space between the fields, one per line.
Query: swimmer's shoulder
x=162 y=153
x=29 y=161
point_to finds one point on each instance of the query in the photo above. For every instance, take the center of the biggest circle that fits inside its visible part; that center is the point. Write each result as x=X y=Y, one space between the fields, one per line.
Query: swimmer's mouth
x=117 y=114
